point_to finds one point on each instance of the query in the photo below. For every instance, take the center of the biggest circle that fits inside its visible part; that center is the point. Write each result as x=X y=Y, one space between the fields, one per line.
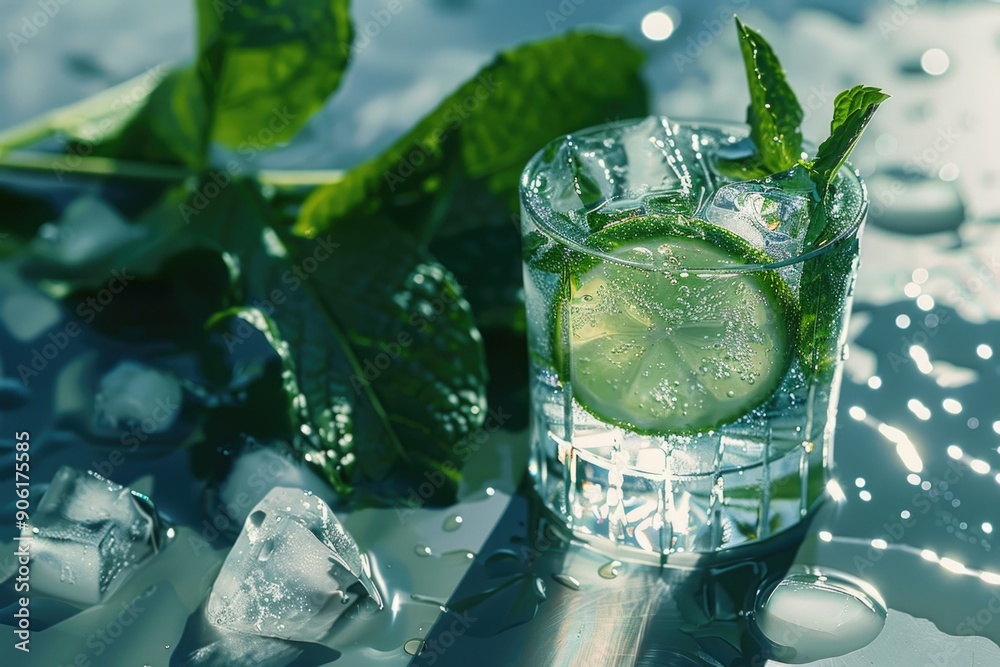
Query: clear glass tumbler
x=686 y=328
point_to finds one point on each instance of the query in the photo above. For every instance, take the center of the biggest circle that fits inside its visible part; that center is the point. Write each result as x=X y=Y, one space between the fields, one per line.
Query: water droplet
x=426 y=599
x=610 y=569
x=452 y=523
x=266 y=551
x=812 y=614
x=414 y=646
x=730 y=393
x=422 y=550
x=567 y=581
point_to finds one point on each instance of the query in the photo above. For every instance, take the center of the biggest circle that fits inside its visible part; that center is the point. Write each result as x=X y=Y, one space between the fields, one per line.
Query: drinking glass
x=686 y=327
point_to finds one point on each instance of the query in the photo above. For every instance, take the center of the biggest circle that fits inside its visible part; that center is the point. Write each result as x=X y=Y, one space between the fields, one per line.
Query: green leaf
x=487 y=129
x=171 y=127
x=456 y=173
x=302 y=414
x=388 y=364
x=272 y=64
x=852 y=110
x=386 y=355
x=417 y=372
x=261 y=71
x=774 y=114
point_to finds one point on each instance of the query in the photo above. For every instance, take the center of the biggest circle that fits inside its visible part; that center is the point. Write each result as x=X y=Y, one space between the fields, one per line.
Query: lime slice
x=667 y=351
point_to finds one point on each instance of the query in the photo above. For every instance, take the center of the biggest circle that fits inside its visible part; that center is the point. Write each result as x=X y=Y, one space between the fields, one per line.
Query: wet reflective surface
x=914 y=511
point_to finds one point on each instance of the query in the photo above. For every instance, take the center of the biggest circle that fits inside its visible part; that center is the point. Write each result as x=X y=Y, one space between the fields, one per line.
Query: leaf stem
x=102 y=166
x=69 y=118
x=91 y=166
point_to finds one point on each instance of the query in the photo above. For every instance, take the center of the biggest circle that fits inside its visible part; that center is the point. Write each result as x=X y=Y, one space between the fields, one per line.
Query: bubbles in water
x=422 y=550
x=814 y=613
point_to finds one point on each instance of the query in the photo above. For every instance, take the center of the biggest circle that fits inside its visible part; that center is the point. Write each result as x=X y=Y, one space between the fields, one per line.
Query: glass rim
x=534 y=203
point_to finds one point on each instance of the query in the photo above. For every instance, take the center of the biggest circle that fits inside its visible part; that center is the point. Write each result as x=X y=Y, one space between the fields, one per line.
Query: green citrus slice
x=671 y=351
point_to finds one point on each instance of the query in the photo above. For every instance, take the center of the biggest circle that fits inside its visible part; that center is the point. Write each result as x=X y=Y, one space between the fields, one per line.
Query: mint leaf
x=272 y=67
x=774 y=114
x=385 y=352
x=852 y=110
x=487 y=130
x=171 y=127
x=301 y=413
x=260 y=73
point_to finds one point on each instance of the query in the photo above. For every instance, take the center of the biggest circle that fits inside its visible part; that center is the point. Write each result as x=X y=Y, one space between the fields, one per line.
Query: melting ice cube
x=133 y=393
x=588 y=172
x=88 y=535
x=292 y=572
x=767 y=216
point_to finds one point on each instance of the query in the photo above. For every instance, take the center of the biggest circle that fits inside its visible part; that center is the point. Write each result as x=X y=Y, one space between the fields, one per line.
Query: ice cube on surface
x=290 y=571
x=28 y=315
x=765 y=215
x=88 y=230
x=134 y=393
x=88 y=535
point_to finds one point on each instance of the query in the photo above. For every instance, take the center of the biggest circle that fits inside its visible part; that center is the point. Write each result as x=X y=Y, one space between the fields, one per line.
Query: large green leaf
x=399 y=348
x=487 y=129
x=320 y=431
x=388 y=362
x=260 y=73
x=273 y=65
x=774 y=114
x=455 y=175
